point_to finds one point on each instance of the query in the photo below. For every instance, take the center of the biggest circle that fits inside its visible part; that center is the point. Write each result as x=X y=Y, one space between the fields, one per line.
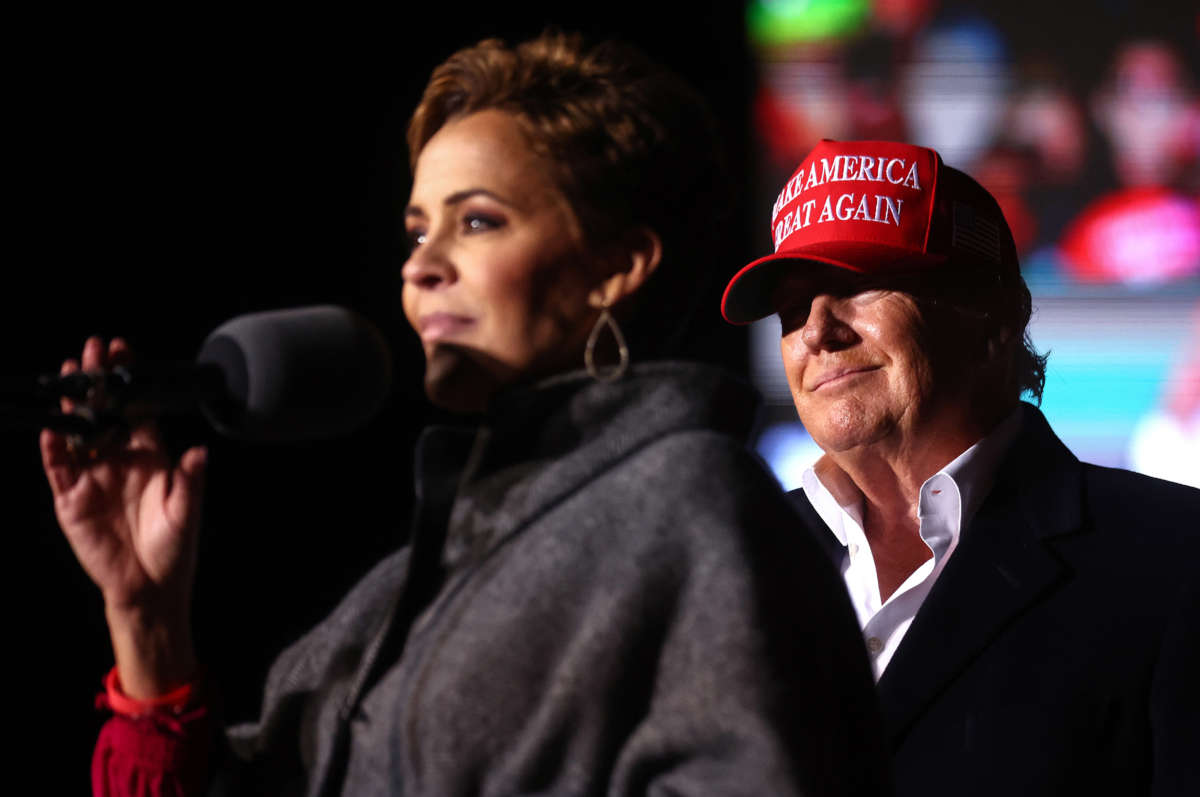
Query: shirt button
x=853 y=550
x=874 y=645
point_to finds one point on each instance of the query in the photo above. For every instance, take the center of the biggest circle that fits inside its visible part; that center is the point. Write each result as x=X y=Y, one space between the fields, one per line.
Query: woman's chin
x=461 y=379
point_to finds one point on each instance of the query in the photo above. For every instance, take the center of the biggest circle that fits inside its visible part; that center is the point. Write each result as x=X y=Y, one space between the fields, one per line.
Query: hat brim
x=750 y=295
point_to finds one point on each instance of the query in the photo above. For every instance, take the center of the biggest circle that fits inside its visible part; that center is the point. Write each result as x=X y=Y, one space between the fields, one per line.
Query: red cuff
x=154 y=748
x=174 y=702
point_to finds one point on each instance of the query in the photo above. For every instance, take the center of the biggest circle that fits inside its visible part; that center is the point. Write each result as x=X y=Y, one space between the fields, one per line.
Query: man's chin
x=841 y=426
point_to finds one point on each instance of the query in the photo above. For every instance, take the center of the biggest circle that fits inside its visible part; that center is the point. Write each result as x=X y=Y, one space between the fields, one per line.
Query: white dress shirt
x=948 y=501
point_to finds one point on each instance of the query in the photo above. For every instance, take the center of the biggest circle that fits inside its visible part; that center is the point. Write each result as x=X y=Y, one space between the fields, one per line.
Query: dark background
x=169 y=172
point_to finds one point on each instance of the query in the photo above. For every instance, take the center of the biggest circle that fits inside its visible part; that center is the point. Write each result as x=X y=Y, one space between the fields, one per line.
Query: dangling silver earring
x=589 y=353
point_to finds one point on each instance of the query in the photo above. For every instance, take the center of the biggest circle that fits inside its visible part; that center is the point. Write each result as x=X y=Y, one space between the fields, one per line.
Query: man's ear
x=631 y=262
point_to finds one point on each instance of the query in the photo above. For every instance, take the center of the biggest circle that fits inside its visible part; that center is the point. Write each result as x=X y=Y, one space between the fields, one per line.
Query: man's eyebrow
x=458 y=197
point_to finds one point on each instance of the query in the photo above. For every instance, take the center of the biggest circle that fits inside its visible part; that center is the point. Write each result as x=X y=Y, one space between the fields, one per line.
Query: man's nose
x=825 y=327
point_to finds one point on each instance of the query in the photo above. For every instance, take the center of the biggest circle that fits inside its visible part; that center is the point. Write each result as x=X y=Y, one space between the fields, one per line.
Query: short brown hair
x=629 y=144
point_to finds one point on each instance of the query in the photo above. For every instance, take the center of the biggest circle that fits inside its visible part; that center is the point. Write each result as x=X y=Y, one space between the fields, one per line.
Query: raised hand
x=132 y=519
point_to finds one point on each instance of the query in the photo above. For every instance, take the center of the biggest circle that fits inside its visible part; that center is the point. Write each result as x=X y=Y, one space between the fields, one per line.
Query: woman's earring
x=589 y=353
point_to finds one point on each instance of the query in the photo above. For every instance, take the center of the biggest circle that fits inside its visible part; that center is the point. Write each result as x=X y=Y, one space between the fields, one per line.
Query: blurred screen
x=1083 y=119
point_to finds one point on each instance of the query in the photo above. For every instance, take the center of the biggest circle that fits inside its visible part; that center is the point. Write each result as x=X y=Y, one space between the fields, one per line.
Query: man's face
x=858 y=360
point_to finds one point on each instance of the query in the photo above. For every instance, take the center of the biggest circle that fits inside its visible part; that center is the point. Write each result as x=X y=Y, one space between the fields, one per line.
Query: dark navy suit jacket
x=1059 y=650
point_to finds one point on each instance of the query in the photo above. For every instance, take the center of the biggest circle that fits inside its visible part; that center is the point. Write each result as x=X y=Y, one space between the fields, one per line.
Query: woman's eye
x=415 y=238
x=477 y=223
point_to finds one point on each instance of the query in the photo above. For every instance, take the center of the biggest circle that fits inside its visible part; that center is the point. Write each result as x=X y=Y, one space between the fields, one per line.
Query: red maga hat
x=876 y=207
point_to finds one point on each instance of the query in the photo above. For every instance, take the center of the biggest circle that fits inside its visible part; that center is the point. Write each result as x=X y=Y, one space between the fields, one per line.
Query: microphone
x=284 y=375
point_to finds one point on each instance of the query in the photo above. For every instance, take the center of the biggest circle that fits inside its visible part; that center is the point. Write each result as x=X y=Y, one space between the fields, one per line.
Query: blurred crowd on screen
x=1097 y=173
x=1090 y=141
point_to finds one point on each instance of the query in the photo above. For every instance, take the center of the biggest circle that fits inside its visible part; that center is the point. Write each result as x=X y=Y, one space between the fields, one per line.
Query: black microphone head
x=300 y=374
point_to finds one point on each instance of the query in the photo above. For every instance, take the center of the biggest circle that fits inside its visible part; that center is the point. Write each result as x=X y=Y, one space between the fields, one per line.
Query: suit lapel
x=1002 y=567
x=987 y=583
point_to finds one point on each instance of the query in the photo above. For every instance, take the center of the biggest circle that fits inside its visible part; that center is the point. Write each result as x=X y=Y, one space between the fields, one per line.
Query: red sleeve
x=155 y=755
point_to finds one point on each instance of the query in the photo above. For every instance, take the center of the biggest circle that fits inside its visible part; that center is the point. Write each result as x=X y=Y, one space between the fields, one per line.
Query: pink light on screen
x=1139 y=236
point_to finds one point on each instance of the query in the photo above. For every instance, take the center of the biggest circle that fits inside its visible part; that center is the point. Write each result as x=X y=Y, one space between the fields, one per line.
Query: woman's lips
x=840 y=375
x=438 y=326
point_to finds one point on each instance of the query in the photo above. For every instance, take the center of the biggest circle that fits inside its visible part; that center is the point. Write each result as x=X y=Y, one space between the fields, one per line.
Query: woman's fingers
x=68 y=367
x=187 y=487
x=97 y=358
x=58 y=461
x=94 y=354
x=119 y=353
x=142 y=447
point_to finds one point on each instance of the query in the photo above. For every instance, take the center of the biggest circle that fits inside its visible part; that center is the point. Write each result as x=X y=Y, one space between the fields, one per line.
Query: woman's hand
x=132 y=519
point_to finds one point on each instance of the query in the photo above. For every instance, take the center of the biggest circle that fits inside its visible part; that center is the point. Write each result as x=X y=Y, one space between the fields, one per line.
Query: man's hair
x=628 y=143
x=1028 y=366
x=984 y=316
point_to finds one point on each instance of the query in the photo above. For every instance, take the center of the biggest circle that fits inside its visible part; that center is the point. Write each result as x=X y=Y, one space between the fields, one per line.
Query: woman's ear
x=630 y=264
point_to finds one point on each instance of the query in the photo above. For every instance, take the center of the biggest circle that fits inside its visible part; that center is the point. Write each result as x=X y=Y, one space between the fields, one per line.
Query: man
x=1032 y=620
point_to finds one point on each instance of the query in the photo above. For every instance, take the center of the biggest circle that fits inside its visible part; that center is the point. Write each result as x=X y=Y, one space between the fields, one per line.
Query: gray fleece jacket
x=605 y=593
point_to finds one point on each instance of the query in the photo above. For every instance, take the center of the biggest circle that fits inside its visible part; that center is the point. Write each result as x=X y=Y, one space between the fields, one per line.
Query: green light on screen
x=776 y=22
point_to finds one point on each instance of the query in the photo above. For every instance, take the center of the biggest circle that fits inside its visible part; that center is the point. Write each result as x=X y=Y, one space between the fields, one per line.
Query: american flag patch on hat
x=975 y=233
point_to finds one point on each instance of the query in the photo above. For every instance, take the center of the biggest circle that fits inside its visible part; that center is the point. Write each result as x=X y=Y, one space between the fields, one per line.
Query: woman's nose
x=428 y=268
x=824 y=328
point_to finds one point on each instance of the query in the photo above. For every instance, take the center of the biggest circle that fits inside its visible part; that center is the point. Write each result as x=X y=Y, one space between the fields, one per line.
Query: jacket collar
x=572 y=409
x=538 y=445
x=1002 y=566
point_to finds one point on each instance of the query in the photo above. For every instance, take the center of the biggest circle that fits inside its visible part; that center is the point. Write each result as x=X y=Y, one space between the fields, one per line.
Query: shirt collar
x=833 y=513
x=974 y=470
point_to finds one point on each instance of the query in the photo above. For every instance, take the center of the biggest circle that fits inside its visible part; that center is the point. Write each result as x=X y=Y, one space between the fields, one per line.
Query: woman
x=604 y=592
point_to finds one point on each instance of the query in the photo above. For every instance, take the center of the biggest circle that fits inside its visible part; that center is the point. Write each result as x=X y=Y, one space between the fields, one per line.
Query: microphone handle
x=165 y=388
x=25 y=418
x=119 y=397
